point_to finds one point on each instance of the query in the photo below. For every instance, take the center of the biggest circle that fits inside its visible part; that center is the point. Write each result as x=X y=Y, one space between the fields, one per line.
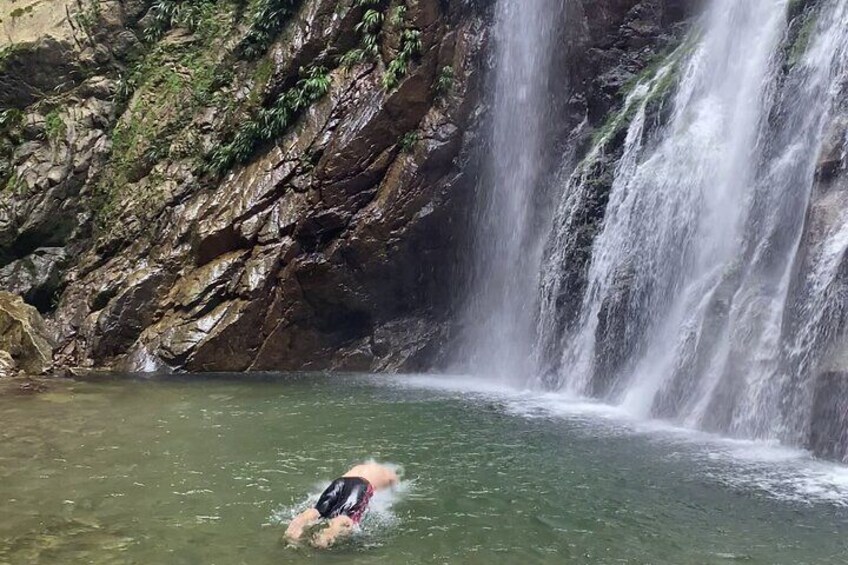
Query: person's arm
x=339 y=527
x=301 y=522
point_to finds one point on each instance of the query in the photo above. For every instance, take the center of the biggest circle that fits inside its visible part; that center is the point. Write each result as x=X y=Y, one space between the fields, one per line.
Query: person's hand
x=293 y=532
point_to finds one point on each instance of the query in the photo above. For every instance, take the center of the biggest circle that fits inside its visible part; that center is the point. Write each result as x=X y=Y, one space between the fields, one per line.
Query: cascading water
x=499 y=319
x=701 y=302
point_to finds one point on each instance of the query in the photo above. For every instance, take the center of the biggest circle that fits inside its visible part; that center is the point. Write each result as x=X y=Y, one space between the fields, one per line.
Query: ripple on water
x=490 y=477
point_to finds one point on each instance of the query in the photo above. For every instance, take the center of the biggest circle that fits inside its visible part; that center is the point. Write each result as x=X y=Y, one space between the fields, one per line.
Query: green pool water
x=200 y=470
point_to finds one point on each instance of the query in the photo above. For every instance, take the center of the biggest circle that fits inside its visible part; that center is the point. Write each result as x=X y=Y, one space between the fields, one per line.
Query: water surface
x=208 y=470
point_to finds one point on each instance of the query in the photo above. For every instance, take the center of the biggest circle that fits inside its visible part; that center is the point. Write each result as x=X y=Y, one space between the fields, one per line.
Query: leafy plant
x=399 y=15
x=444 y=82
x=270 y=123
x=10 y=118
x=352 y=58
x=267 y=20
x=55 y=127
x=408 y=141
x=201 y=17
x=410 y=47
x=369 y=27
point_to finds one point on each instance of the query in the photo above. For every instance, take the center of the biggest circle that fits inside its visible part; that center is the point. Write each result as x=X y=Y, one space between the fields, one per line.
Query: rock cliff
x=230 y=185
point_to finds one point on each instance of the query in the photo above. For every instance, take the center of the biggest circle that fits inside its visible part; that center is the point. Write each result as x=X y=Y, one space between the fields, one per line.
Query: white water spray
x=499 y=321
x=688 y=288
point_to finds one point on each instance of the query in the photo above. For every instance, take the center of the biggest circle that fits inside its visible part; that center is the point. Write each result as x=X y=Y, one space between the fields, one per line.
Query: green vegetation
x=615 y=123
x=197 y=16
x=10 y=122
x=410 y=47
x=15 y=184
x=159 y=96
x=10 y=119
x=369 y=28
x=86 y=17
x=444 y=81
x=270 y=123
x=162 y=92
x=55 y=127
x=799 y=46
x=408 y=141
x=21 y=12
x=399 y=15
x=267 y=19
x=261 y=77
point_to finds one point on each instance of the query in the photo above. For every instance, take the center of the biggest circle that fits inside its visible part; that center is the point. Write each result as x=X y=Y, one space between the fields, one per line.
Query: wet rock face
x=8 y=367
x=36 y=277
x=25 y=343
x=828 y=430
x=829 y=434
x=334 y=245
x=330 y=247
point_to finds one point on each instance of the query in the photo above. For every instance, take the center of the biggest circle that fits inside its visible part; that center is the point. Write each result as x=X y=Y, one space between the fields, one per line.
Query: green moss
x=20 y=12
x=15 y=185
x=670 y=63
x=261 y=76
x=55 y=127
x=615 y=123
x=799 y=46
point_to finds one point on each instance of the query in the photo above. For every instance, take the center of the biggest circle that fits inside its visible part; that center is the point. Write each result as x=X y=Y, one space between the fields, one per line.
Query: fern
x=267 y=20
x=369 y=28
x=410 y=48
x=270 y=123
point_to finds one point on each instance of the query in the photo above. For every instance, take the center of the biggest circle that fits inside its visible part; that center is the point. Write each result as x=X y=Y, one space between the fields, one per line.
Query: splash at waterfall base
x=708 y=287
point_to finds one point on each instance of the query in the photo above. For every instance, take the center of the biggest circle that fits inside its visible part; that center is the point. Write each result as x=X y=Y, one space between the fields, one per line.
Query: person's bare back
x=343 y=503
x=378 y=475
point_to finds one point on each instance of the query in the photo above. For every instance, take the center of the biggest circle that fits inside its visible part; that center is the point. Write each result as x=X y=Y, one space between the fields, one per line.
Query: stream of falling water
x=507 y=249
x=693 y=273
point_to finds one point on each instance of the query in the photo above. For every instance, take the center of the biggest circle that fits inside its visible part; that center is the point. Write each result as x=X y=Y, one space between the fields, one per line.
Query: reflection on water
x=206 y=471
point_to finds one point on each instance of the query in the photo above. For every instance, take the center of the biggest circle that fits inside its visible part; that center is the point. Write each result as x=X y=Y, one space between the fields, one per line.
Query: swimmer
x=343 y=503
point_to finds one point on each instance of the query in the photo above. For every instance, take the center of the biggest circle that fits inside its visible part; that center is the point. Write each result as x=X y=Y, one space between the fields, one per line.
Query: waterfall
x=702 y=300
x=499 y=319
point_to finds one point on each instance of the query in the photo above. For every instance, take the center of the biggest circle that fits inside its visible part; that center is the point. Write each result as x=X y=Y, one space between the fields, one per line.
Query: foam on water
x=781 y=472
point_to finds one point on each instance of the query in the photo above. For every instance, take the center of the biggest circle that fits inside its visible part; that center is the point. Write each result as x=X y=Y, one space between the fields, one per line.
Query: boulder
x=35 y=277
x=8 y=367
x=24 y=337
